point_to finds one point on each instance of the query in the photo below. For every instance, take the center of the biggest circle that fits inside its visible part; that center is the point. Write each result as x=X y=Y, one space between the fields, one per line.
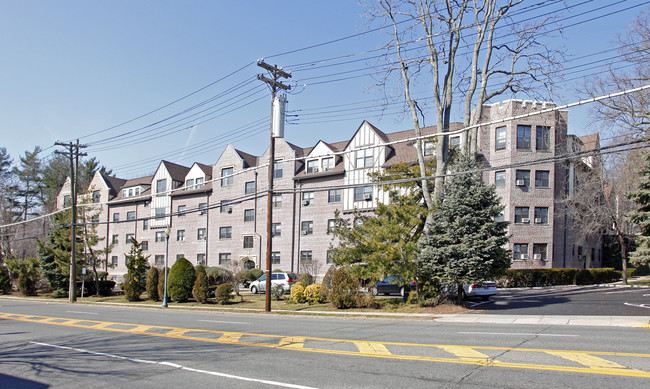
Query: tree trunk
x=621 y=241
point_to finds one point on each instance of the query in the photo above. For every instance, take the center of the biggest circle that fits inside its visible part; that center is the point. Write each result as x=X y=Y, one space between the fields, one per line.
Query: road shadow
x=7 y=381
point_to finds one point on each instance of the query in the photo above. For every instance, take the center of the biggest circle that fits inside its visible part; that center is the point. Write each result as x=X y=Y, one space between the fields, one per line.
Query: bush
x=223 y=294
x=105 y=287
x=152 y=284
x=181 y=280
x=161 y=283
x=28 y=274
x=131 y=288
x=545 y=277
x=200 y=289
x=313 y=294
x=256 y=273
x=327 y=280
x=642 y=270
x=59 y=294
x=5 y=280
x=277 y=291
x=218 y=275
x=345 y=290
x=306 y=279
x=298 y=293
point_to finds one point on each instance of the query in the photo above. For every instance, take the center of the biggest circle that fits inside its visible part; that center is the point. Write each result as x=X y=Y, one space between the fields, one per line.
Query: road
x=63 y=345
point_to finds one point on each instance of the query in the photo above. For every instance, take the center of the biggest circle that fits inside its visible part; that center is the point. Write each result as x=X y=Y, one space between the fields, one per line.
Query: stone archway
x=247 y=263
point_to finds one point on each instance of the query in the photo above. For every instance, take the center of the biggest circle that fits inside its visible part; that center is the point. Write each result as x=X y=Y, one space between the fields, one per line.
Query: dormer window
x=199 y=182
x=161 y=186
x=137 y=191
x=189 y=184
x=328 y=163
x=312 y=166
x=363 y=158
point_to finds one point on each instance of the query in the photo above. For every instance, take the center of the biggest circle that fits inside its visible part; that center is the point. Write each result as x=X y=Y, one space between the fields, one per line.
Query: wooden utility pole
x=74 y=155
x=273 y=82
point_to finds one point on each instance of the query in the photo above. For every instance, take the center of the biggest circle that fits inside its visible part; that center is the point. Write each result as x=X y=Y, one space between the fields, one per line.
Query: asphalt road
x=63 y=345
x=568 y=300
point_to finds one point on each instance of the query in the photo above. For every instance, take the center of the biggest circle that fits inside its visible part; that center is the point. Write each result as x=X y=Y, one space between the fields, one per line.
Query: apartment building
x=216 y=215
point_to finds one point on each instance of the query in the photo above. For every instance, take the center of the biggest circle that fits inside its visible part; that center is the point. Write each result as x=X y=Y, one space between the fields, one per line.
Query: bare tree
x=471 y=49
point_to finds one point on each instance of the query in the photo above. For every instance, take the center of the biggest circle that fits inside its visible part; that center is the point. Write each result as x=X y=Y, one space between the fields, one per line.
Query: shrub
x=298 y=293
x=345 y=290
x=200 y=289
x=105 y=287
x=59 y=294
x=223 y=294
x=5 y=280
x=306 y=279
x=131 y=288
x=152 y=284
x=277 y=291
x=256 y=273
x=313 y=294
x=545 y=277
x=642 y=270
x=327 y=279
x=218 y=275
x=181 y=280
x=28 y=274
x=161 y=283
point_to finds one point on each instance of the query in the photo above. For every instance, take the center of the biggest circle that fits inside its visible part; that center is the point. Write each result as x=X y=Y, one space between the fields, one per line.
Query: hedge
x=546 y=277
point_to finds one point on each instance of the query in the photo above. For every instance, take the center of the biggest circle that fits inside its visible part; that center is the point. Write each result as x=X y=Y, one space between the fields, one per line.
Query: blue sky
x=75 y=68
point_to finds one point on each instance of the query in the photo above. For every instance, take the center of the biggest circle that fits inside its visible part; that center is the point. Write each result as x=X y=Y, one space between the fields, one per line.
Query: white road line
x=622 y=291
x=87 y=313
x=481 y=303
x=180 y=367
x=229 y=322
x=513 y=333
x=647 y=306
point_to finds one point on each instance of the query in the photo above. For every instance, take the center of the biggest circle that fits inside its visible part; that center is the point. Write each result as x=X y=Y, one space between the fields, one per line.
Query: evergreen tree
x=137 y=264
x=463 y=242
x=152 y=284
x=641 y=216
x=31 y=182
x=54 y=253
x=200 y=289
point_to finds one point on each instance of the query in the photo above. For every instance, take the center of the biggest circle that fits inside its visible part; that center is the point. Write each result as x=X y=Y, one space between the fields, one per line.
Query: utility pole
x=277 y=131
x=74 y=155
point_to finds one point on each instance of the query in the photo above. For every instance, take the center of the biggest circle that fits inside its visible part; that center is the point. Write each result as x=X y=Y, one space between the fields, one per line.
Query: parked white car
x=483 y=290
x=283 y=279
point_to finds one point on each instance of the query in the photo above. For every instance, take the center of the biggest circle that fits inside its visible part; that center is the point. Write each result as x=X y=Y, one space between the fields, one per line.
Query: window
x=189 y=183
x=522 y=177
x=329 y=257
x=199 y=182
x=523 y=137
x=429 y=149
x=308 y=197
x=500 y=179
x=130 y=215
x=277 y=169
x=541 y=179
x=500 y=217
x=454 y=142
x=275 y=258
x=160 y=236
x=541 y=215
x=179 y=256
x=200 y=259
x=130 y=238
x=161 y=186
x=277 y=201
x=307 y=228
x=67 y=200
x=182 y=210
x=249 y=187
x=137 y=191
x=543 y=138
x=539 y=251
x=521 y=215
x=334 y=196
x=362 y=193
x=520 y=251
x=125 y=193
x=146 y=203
x=160 y=213
x=249 y=215
x=130 y=192
x=312 y=166
x=94 y=219
x=305 y=255
x=116 y=217
x=203 y=208
x=331 y=223
x=501 y=138
x=363 y=158
x=159 y=260
x=225 y=233
x=226 y=173
x=327 y=164
x=96 y=196
x=276 y=229
x=226 y=206
x=224 y=258
x=115 y=239
x=248 y=241
x=114 y=260
x=144 y=245
x=145 y=224
x=202 y=233
x=180 y=235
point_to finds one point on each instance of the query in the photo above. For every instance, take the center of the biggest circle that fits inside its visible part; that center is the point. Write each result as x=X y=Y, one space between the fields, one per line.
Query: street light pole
x=164 y=303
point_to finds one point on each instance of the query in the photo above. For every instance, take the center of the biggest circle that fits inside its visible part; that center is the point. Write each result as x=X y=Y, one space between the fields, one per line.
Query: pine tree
x=463 y=242
x=641 y=216
x=137 y=264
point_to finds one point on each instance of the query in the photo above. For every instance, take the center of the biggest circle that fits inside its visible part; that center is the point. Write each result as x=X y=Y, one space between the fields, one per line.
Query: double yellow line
x=590 y=362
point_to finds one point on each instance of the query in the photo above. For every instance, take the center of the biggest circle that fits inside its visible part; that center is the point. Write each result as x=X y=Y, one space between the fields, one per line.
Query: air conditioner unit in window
x=523 y=256
x=314 y=170
x=525 y=220
x=305 y=232
x=521 y=183
x=305 y=202
x=538 y=220
x=229 y=209
x=537 y=256
x=367 y=196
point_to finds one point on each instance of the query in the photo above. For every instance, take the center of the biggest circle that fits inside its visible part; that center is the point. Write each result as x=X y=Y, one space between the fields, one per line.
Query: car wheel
x=485 y=298
x=374 y=291
x=401 y=291
x=253 y=290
